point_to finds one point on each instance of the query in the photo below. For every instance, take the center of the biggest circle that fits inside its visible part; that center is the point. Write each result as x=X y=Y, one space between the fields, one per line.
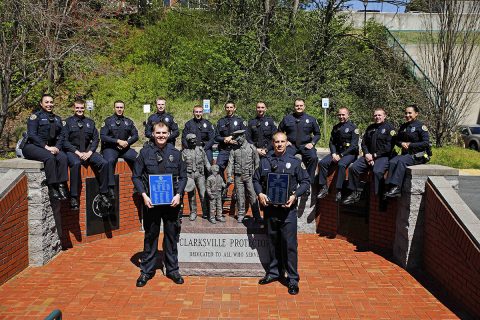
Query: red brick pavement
x=97 y=281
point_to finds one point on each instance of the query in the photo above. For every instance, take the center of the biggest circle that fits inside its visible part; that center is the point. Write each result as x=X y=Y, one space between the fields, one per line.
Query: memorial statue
x=242 y=163
x=215 y=189
x=196 y=162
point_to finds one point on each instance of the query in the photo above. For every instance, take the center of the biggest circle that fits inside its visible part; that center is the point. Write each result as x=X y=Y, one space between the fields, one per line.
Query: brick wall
x=450 y=254
x=14 y=231
x=382 y=221
x=74 y=221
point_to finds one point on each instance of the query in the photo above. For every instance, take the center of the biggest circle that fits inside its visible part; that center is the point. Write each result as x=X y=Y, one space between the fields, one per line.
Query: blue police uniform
x=377 y=141
x=153 y=160
x=226 y=126
x=44 y=129
x=281 y=222
x=260 y=131
x=80 y=134
x=302 y=129
x=343 y=142
x=418 y=151
x=168 y=120
x=118 y=128
x=205 y=133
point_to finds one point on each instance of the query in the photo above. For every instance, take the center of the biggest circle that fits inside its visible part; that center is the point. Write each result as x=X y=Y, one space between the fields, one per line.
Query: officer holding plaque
x=160 y=176
x=279 y=201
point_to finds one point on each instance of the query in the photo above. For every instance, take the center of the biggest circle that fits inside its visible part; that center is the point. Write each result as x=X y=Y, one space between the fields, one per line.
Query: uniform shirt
x=260 y=131
x=153 y=160
x=378 y=139
x=80 y=132
x=203 y=130
x=299 y=179
x=226 y=126
x=44 y=128
x=416 y=133
x=165 y=118
x=344 y=139
x=118 y=128
x=300 y=129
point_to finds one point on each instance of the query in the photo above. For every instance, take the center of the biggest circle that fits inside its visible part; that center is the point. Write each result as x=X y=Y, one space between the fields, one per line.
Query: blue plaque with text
x=161 y=188
x=277 y=188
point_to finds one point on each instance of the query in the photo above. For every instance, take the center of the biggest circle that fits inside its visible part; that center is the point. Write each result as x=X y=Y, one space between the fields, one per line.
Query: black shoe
x=293 y=289
x=74 y=203
x=258 y=220
x=338 y=196
x=323 y=192
x=176 y=277
x=394 y=192
x=111 y=193
x=63 y=190
x=353 y=198
x=143 y=279
x=53 y=193
x=267 y=280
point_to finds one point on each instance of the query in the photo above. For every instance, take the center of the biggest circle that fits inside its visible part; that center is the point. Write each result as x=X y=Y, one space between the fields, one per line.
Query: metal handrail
x=54 y=315
x=394 y=43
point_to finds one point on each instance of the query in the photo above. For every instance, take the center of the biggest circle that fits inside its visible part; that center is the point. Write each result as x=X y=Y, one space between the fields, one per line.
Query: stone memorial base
x=223 y=249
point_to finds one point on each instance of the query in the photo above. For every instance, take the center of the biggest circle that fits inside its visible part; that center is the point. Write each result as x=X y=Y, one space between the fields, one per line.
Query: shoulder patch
x=392 y=133
x=245 y=123
x=33 y=117
x=357 y=131
x=424 y=128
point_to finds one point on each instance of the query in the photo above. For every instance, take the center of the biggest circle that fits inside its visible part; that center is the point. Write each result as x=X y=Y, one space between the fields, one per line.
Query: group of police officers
x=74 y=143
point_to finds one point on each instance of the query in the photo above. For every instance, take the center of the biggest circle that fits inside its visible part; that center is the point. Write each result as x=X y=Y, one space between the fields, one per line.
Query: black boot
x=353 y=198
x=53 y=193
x=63 y=190
x=323 y=192
x=74 y=203
x=394 y=192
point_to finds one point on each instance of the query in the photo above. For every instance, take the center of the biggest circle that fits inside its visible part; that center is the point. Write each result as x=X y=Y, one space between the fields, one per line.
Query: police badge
x=288 y=165
x=383 y=130
x=204 y=125
x=347 y=129
x=412 y=129
x=235 y=123
x=166 y=119
x=170 y=157
x=307 y=121
x=266 y=123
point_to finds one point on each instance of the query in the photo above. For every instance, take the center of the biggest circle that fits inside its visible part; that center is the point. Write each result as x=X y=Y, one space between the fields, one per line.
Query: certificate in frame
x=161 y=189
x=277 y=188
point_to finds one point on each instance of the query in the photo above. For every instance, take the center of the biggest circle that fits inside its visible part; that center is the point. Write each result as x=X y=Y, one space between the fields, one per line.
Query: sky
x=383 y=7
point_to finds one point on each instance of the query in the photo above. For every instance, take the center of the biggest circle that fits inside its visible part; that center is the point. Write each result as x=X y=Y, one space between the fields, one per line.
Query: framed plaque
x=277 y=188
x=161 y=188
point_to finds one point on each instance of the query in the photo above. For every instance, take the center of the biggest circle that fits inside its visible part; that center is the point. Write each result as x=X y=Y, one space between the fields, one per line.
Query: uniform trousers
x=361 y=166
x=56 y=170
x=397 y=168
x=222 y=161
x=152 y=220
x=99 y=166
x=209 y=154
x=309 y=158
x=244 y=188
x=112 y=155
x=281 y=226
x=327 y=165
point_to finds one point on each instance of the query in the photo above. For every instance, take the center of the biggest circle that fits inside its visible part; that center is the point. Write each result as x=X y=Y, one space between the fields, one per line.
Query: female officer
x=414 y=140
x=44 y=144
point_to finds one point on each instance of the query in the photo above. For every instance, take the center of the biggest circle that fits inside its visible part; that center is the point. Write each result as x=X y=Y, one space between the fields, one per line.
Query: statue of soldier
x=242 y=163
x=215 y=189
x=196 y=161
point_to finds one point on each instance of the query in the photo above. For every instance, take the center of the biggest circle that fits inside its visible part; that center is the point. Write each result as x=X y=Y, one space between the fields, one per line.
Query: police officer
x=160 y=157
x=45 y=144
x=80 y=141
x=261 y=129
x=196 y=162
x=242 y=163
x=162 y=116
x=377 y=147
x=343 y=151
x=281 y=221
x=303 y=133
x=224 y=135
x=118 y=133
x=414 y=140
x=202 y=129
